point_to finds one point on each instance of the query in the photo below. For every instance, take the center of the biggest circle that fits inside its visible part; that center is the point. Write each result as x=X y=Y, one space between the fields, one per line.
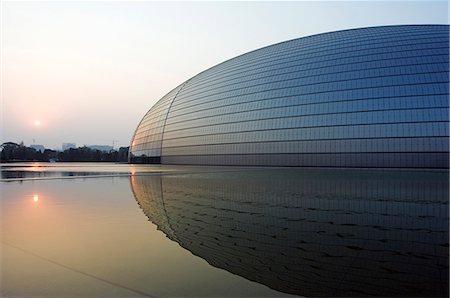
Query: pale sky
x=89 y=71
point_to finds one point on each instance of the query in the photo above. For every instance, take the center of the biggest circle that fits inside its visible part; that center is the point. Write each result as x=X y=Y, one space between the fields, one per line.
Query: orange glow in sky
x=35 y=198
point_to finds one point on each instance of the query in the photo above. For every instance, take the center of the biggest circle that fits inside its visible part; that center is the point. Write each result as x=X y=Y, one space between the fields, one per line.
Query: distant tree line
x=11 y=152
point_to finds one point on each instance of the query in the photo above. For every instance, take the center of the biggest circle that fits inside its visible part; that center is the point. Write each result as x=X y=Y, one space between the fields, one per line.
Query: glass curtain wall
x=370 y=97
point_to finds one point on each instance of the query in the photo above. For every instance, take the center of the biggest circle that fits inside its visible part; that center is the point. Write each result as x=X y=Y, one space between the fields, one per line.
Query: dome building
x=369 y=97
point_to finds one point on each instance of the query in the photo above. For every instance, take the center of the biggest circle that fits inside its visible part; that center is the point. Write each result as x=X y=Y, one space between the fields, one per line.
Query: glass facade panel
x=370 y=97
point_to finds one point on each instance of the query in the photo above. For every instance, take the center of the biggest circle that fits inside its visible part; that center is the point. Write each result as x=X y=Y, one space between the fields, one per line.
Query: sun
x=37 y=122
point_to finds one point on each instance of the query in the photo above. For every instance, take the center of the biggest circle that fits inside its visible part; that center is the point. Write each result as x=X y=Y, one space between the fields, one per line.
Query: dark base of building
x=436 y=160
x=145 y=159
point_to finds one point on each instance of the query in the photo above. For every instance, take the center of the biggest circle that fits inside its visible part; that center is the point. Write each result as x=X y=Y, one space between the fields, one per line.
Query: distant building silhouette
x=39 y=148
x=103 y=148
x=67 y=146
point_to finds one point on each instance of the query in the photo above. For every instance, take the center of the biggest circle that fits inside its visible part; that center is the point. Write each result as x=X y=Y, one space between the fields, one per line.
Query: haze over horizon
x=87 y=72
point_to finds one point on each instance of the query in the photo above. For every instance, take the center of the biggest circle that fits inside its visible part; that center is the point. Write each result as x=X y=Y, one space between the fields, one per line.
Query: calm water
x=120 y=231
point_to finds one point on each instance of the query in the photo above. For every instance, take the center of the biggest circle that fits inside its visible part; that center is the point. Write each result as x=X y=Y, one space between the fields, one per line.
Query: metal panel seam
x=167 y=115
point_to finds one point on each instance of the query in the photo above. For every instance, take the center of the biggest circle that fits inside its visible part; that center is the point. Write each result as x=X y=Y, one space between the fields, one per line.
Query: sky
x=89 y=71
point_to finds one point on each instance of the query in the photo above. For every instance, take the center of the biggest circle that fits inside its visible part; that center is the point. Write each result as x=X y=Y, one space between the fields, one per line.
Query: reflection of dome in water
x=311 y=233
x=370 y=97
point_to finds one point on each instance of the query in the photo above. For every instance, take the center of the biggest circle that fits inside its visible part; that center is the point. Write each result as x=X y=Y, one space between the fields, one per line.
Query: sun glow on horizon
x=37 y=122
x=35 y=198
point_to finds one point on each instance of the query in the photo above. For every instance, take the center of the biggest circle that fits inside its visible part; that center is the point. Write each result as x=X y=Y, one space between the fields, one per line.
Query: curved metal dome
x=370 y=97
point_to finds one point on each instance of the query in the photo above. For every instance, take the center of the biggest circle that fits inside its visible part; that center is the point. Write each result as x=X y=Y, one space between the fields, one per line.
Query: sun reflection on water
x=36 y=167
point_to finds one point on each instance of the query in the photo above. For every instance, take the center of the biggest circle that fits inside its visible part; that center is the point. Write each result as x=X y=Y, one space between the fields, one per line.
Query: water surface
x=119 y=230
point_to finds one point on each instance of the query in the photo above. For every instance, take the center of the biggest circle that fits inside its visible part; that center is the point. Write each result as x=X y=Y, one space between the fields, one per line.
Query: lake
x=119 y=230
